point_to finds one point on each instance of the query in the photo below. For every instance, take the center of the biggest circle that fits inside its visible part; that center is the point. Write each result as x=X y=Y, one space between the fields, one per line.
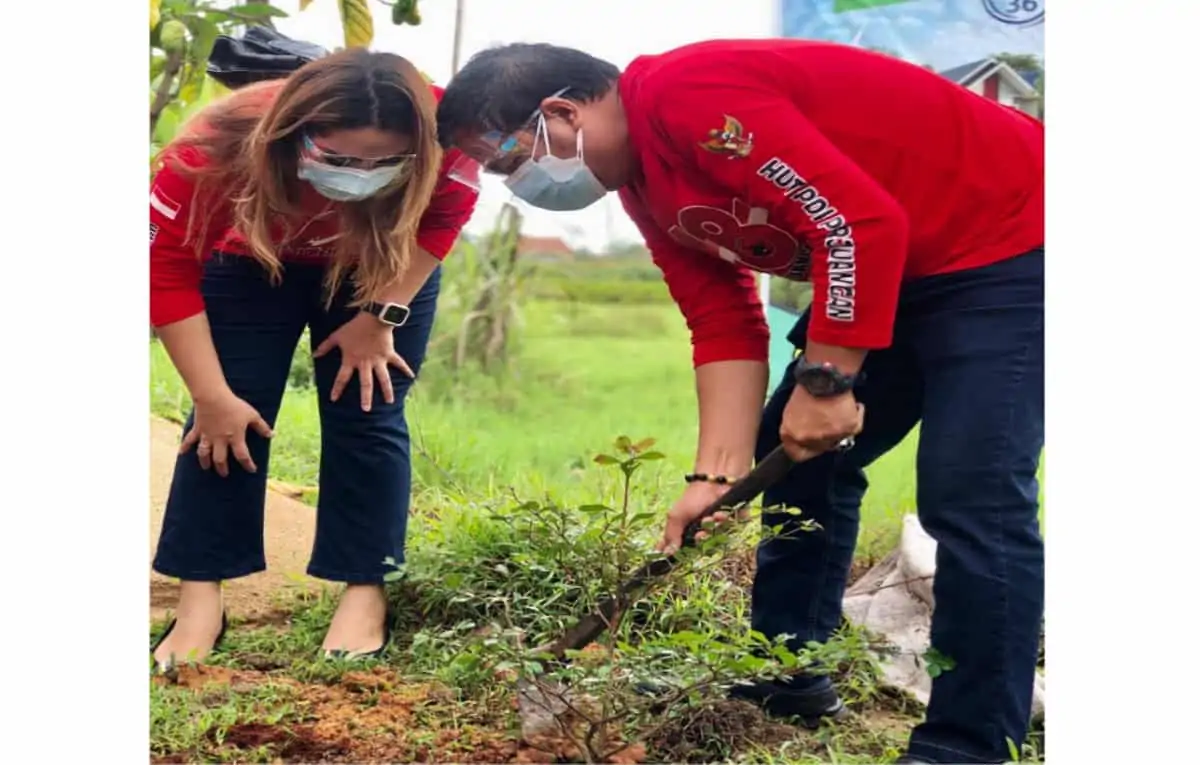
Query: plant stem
x=162 y=96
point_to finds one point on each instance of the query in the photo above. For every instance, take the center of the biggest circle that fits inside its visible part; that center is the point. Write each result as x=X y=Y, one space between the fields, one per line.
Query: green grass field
x=508 y=544
x=584 y=375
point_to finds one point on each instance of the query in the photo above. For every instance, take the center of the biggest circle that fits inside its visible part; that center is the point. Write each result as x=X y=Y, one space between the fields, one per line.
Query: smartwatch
x=822 y=380
x=393 y=314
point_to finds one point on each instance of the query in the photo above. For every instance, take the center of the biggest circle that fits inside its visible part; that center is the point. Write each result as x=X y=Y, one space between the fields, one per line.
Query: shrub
x=492 y=584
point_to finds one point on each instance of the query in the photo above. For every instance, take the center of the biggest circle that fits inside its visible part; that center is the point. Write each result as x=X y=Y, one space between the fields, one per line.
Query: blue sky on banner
x=938 y=33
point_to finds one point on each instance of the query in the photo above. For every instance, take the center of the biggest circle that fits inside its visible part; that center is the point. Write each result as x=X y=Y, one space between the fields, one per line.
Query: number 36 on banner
x=1020 y=12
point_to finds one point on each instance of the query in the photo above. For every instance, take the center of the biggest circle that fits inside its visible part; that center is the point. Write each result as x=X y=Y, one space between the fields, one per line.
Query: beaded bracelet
x=706 y=478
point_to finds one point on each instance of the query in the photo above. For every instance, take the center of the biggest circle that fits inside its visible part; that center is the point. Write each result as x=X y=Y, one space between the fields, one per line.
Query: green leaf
x=689 y=638
x=406 y=12
x=261 y=10
x=651 y=456
x=842 y=6
x=191 y=91
x=157 y=62
x=623 y=444
x=937 y=662
x=358 y=28
x=168 y=123
x=1013 y=752
x=594 y=509
x=204 y=34
x=605 y=459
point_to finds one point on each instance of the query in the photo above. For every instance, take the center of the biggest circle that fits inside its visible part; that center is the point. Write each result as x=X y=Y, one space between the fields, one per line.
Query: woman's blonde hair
x=249 y=148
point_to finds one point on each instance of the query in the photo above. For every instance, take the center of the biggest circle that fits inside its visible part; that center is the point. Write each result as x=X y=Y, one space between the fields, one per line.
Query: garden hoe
x=539 y=707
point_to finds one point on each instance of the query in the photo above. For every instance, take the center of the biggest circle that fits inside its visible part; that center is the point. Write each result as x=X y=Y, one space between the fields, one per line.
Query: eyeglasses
x=334 y=159
x=493 y=149
x=502 y=145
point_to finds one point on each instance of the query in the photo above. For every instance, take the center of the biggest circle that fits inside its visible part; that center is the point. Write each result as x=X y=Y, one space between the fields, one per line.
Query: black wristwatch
x=822 y=380
x=389 y=313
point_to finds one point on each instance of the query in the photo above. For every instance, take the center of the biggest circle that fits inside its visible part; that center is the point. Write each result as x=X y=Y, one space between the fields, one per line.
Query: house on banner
x=997 y=81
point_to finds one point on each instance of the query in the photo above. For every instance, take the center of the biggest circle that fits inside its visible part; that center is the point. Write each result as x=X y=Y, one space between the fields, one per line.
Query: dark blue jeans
x=967 y=362
x=213 y=526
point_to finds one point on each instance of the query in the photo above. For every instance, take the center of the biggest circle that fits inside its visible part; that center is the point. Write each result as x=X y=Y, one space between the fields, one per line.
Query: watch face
x=818 y=382
x=823 y=380
x=394 y=314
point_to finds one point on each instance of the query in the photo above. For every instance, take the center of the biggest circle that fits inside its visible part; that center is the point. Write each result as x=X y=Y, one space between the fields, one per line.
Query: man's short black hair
x=498 y=88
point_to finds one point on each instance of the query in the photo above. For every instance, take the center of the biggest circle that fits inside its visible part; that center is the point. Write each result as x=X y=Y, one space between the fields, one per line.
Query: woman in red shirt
x=321 y=201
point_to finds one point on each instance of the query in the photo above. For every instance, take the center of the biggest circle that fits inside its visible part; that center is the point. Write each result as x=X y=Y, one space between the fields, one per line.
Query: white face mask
x=553 y=183
x=346 y=184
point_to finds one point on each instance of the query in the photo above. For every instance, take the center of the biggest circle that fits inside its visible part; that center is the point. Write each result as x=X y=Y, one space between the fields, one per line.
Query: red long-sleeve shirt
x=175 y=271
x=818 y=162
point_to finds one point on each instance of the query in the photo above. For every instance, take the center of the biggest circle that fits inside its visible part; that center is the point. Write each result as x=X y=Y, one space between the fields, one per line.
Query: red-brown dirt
x=371 y=716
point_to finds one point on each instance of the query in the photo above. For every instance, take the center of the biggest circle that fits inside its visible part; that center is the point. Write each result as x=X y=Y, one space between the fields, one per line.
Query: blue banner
x=941 y=34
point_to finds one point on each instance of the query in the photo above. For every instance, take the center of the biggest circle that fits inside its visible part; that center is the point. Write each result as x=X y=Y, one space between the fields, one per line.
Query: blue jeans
x=213 y=527
x=967 y=362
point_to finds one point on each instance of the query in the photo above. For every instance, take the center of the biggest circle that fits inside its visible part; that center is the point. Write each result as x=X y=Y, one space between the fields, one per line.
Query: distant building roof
x=543 y=245
x=963 y=72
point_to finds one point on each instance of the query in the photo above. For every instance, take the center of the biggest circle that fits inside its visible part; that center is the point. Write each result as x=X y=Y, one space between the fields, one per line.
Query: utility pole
x=610 y=224
x=458 y=19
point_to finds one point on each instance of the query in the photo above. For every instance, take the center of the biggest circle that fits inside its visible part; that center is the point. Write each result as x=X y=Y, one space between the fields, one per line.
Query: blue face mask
x=553 y=183
x=346 y=184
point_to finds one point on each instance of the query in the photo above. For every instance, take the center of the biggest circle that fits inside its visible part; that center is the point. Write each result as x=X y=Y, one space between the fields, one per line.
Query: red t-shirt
x=175 y=271
x=824 y=163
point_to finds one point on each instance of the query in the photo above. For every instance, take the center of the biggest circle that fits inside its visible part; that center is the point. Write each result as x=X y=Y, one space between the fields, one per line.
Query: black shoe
x=341 y=654
x=781 y=698
x=216 y=643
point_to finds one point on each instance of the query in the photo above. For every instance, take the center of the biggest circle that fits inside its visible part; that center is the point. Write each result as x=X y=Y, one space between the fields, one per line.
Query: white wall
x=1007 y=94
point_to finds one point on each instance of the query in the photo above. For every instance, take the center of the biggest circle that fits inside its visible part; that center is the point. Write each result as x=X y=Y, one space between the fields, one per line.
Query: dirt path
x=288 y=536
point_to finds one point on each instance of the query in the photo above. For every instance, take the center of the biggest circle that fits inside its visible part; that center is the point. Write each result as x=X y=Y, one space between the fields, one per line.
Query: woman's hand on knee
x=219 y=429
x=367 y=348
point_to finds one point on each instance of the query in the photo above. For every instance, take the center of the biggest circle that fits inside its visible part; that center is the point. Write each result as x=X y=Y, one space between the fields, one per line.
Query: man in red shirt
x=915 y=208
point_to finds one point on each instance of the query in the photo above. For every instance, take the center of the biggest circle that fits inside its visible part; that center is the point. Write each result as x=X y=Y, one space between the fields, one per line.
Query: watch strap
x=823 y=379
x=379 y=311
